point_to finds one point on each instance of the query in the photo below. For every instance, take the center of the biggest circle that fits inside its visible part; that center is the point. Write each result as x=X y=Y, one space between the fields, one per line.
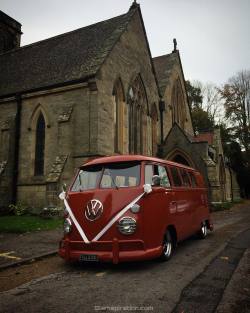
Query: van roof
x=126 y=158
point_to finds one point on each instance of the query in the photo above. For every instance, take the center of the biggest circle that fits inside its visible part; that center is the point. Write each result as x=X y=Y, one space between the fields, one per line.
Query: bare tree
x=236 y=96
x=211 y=101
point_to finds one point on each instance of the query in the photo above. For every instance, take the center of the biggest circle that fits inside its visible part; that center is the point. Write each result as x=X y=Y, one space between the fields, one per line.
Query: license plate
x=89 y=257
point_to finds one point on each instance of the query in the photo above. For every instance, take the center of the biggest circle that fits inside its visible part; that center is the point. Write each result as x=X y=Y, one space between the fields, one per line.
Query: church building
x=92 y=92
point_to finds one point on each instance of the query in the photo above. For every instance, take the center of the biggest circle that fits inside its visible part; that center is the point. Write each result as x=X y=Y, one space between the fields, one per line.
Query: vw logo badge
x=93 y=210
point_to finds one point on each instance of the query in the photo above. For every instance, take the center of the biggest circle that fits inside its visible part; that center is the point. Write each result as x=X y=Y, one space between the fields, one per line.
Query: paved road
x=17 y=247
x=181 y=283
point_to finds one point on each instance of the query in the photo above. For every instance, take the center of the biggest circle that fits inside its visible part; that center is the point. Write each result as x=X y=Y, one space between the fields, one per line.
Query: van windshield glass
x=120 y=175
x=87 y=178
x=115 y=175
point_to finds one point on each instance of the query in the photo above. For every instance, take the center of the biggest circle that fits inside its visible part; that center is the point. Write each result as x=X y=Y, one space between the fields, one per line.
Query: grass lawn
x=26 y=223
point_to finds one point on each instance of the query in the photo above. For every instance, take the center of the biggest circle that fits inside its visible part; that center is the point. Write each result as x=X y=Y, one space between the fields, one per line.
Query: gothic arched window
x=178 y=105
x=118 y=110
x=137 y=112
x=154 y=130
x=40 y=145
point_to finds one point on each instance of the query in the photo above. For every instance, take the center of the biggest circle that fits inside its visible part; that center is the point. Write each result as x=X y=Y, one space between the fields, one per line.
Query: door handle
x=167 y=192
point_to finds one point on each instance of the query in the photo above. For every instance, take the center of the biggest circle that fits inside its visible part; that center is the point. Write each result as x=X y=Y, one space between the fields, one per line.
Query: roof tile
x=163 y=67
x=68 y=57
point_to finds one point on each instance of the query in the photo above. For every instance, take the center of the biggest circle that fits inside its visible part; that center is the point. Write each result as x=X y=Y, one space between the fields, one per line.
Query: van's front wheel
x=167 y=247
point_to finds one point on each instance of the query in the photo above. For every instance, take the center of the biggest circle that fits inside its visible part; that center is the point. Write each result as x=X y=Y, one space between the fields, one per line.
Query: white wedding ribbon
x=81 y=232
x=62 y=196
x=115 y=218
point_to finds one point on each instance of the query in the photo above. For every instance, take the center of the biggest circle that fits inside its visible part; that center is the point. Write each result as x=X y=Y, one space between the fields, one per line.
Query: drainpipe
x=16 y=147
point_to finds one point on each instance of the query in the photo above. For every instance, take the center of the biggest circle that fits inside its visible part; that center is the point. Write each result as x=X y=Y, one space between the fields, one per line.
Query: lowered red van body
x=132 y=207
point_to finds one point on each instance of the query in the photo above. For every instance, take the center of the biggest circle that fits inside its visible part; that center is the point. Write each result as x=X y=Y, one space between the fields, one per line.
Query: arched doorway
x=181 y=157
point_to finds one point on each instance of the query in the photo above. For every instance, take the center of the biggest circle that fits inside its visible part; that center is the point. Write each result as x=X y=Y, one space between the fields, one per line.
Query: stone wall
x=128 y=58
x=69 y=139
x=78 y=122
x=10 y=33
x=228 y=185
x=222 y=179
x=7 y=145
x=177 y=141
x=235 y=187
x=176 y=73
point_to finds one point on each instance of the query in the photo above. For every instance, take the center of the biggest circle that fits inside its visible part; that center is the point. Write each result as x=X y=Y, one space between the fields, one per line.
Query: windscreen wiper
x=80 y=181
x=113 y=181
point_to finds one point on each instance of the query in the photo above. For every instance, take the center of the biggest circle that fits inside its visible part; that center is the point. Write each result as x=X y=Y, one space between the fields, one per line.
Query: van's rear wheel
x=203 y=230
x=167 y=246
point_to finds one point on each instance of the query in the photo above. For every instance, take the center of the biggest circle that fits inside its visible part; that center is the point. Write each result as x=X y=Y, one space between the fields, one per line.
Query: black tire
x=167 y=247
x=202 y=234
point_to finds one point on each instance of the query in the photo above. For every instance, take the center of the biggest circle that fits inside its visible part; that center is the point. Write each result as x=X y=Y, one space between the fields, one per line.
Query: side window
x=162 y=172
x=151 y=170
x=193 y=179
x=176 y=176
x=185 y=178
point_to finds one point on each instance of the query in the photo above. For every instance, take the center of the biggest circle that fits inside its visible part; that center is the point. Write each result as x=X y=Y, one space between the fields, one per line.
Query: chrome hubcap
x=204 y=230
x=167 y=248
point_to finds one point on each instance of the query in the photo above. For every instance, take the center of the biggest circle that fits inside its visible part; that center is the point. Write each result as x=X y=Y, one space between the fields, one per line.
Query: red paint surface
x=184 y=208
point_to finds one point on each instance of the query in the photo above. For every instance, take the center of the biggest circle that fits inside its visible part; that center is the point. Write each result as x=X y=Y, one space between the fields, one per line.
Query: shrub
x=18 y=209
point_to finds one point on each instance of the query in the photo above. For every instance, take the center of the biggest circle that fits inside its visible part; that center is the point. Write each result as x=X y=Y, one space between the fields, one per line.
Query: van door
x=191 y=201
x=196 y=201
x=156 y=204
x=183 y=216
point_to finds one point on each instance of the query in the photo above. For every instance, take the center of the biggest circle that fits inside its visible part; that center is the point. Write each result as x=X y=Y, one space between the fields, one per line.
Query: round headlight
x=67 y=226
x=127 y=225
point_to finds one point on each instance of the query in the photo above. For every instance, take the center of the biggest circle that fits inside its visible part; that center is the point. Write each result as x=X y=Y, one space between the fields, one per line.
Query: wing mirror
x=147 y=188
x=156 y=180
x=62 y=195
x=64 y=187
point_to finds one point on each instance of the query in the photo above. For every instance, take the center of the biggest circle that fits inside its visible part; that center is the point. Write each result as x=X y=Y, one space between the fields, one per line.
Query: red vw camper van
x=132 y=207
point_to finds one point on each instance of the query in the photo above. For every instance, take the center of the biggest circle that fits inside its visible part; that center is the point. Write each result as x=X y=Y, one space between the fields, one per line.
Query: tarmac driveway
x=17 y=247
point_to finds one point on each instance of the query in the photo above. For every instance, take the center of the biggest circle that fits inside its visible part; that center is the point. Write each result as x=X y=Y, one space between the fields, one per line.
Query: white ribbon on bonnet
x=147 y=189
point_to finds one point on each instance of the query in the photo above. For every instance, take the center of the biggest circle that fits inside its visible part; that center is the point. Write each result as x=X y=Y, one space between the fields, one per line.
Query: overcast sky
x=213 y=35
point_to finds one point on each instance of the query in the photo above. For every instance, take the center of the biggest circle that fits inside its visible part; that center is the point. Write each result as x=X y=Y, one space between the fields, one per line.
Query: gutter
x=48 y=87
